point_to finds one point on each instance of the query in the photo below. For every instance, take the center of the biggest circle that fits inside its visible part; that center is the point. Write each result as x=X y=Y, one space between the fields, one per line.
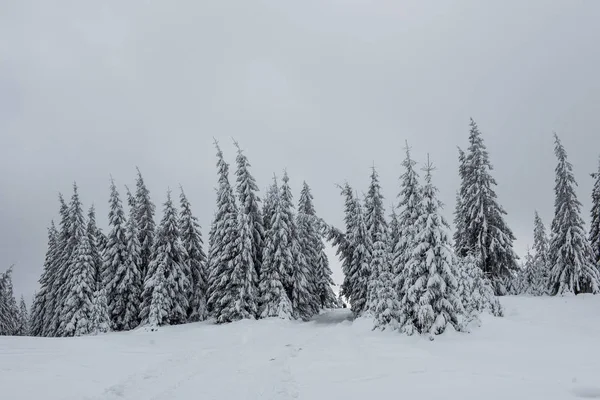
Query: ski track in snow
x=545 y=348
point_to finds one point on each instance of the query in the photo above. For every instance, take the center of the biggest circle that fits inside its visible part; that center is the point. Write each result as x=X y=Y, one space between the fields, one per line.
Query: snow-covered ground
x=545 y=348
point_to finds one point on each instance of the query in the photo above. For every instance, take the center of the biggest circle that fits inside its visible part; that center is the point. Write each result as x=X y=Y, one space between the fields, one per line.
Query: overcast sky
x=323 y=88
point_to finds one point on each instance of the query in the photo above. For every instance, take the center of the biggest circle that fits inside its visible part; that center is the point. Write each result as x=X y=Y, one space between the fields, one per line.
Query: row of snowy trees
x=569 y=261
x=260 y=263
x=14 y=320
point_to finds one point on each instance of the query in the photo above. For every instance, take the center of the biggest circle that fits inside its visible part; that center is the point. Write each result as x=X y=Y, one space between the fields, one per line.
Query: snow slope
x=545 y=348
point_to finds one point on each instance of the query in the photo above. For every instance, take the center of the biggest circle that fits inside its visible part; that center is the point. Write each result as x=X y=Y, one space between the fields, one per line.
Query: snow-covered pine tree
x=358 y=270
x=377 y=229
x=54 y=276
x=70 y=253
x=572 y=267
x=528 y=277
x=595 y=224
x=410 y=206
x=460 y=218
x=79 y=291
x=9 y=312
x=168 y=274
x=276 y=261
x=100 y=320
x=39 y=309
x=224 y=289
x=144 y=216
x=485 y=231
x=195 y=258
x=23 y=328
x=248 y=201
x=540 y=257
x=430 y=300
x=342 y=241
x=269 y=205
x=327 y=297
x=475 y=290
x=96 y=238
x=116 y=277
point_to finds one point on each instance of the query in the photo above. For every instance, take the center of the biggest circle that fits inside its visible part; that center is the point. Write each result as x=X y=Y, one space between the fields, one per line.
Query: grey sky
x=320 y=87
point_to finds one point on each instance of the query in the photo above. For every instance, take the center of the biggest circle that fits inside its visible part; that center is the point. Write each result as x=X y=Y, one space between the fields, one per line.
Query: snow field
x=545 y=348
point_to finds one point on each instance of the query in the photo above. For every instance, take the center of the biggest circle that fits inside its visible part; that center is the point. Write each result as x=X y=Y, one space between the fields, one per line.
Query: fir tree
x=410 y=206
x=78 y=304
x=384 y=299
x=276 y=264
x=119 y=281
x=269 y=205
x=343 y=243
x=96 y=238
x=144 y=216
x=70 y=260
x=224 y=289
x=540 y=270
x=570 y=252
x=195 y=258
x=528 y=277
x=430 y=298
x=249 y=204
x=168 y=274
x=358 y=270
x=100 y=319
x=9 y=312
x=23 y=327
x=377 y=230
x=41 y=301
x=460 y=218
x=485 y=231
x=326 y=295
x=595 y=217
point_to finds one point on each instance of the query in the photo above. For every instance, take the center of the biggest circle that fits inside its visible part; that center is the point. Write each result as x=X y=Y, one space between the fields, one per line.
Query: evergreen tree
x=534 y=277
x=144 y=216
x=224 y=289
x=41 y=302
x=410 y=206
x=96 y=239
x=430 y=298
x=326 y=295
x=570 y=252
x=249 y=204
x=377 y=229
x=529 y=277
x=482 y=218
x=23 y=327
x=195 y=258
x=269 y=205
x=358 y=270
x=276 y=263
x=69 y=262
x=100 y=319
x=9 y=312
x=118 y=280
x=595 y=214
x=311 y=266
x=384 y=298
x=168 y=273
x=460 y=218
x=78 y=304
x=343 y=242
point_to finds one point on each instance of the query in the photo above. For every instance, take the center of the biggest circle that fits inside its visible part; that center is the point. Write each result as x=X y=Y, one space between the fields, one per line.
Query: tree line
x=404 y=270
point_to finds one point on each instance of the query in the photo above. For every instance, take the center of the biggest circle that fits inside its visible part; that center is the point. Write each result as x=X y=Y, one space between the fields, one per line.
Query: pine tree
x=144 y=216
x=430 y=298
x=41 y=301
x=595 y=217
x=269 y=205
x=343 y=242
x=384 y=299
x=78 y=302
x=224 y=289
x=377 y=229
x=9 y=312
x=23 y=328
x=539 y=263
x=195 y=258
x=528 y=277
x=570 y=252
x=249 y=204
x=460 y=218
x=485 y=231
x=276 y=264
x=358 y=270
x=100 y=319
x=70 y=260
x=115 y=277
x=327 y=297
x=96 y=238
x=168 y=274
x=410 y=206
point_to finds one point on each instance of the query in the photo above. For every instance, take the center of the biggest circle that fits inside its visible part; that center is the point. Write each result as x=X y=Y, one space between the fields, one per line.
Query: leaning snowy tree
x=277 y=261
x=168 y=273
x=595 y=214
x=430 y=300
x=191 y=237
x=486 y=234
x=573 y=269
